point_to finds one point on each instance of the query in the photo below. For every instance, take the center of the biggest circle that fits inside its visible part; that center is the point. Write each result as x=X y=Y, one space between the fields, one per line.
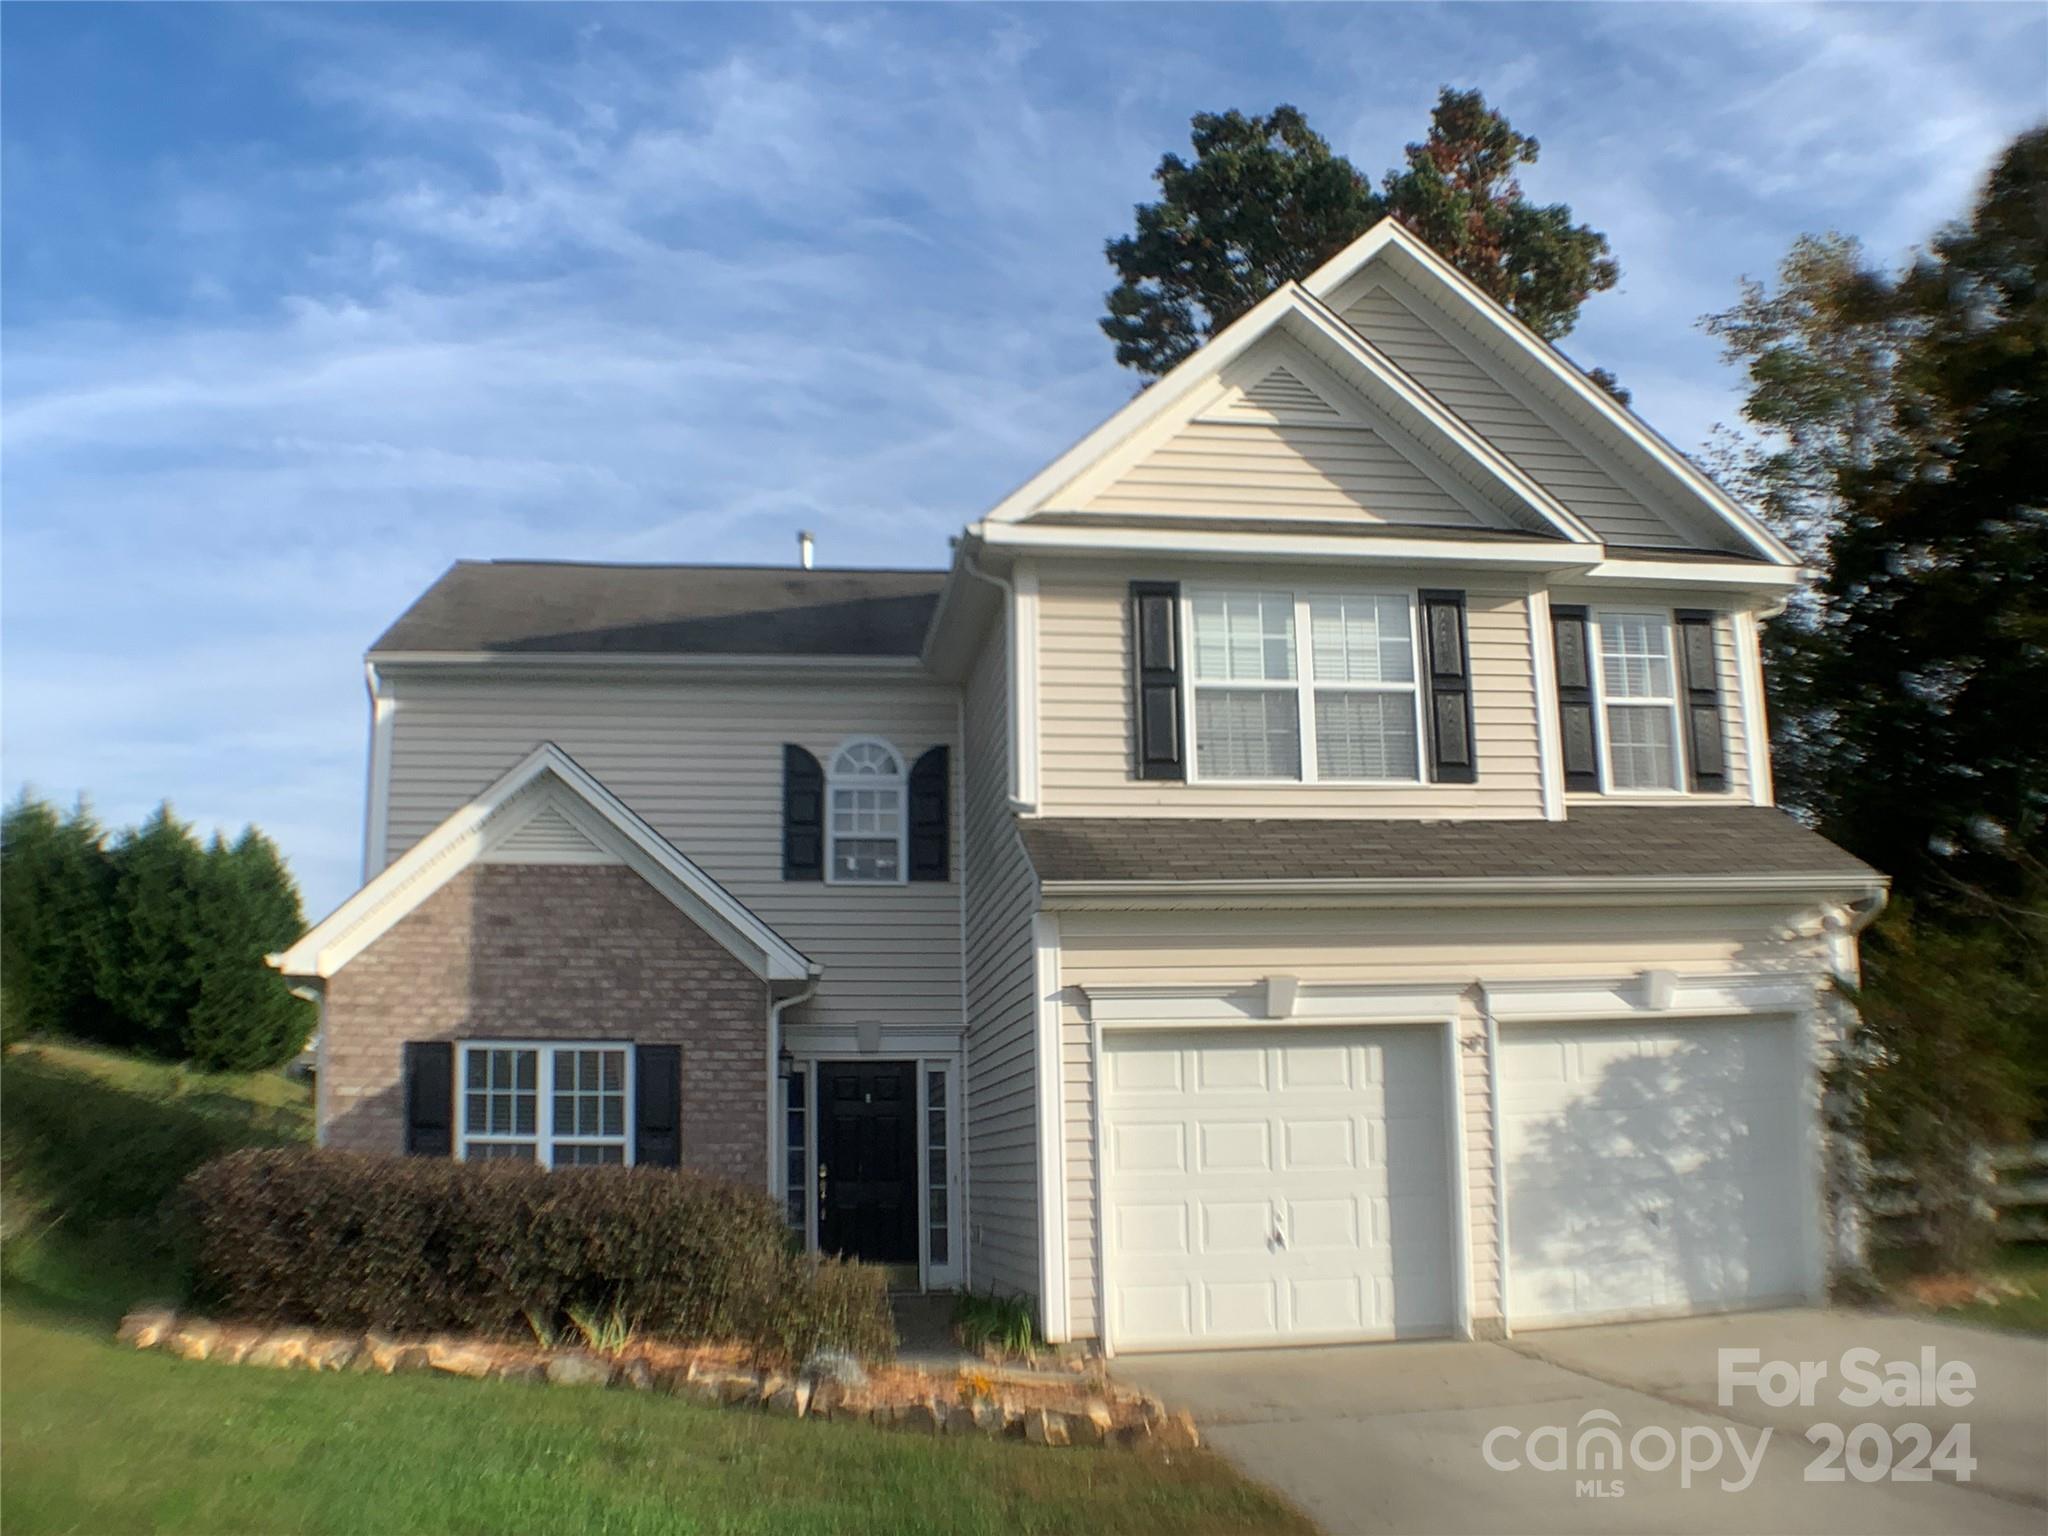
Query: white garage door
x=1275 y=1186
x=1652 y=1170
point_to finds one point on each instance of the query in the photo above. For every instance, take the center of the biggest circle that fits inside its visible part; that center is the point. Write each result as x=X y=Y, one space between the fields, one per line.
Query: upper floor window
x=865 y=818
x=1639 y=692
x=1345 y=707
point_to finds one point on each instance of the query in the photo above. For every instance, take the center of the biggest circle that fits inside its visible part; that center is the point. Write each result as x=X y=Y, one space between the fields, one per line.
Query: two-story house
x=1305 y=871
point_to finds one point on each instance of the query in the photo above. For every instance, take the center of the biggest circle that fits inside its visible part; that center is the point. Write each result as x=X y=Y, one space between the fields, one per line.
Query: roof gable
x=1636 y=470
x=546 y=809
x=1343 y=370
x=1278 y=433
x=1543 y=380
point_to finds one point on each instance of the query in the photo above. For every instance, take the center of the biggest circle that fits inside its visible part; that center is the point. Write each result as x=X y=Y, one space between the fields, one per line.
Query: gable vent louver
x=549 y=838
x=1280 y=393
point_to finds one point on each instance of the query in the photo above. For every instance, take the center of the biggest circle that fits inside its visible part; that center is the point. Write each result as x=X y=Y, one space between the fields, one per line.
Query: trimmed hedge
x=344 y=1240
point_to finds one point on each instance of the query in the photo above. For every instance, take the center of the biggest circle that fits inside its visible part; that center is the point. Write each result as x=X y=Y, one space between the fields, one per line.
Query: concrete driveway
x=1394 y=1437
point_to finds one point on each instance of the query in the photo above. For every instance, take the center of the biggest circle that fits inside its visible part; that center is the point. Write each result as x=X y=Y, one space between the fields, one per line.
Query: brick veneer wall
x=552 y=952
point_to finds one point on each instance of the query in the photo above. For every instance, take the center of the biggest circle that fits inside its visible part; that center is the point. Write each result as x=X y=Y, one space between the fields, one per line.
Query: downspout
x=377 y=807
x=1016 y=769
x=776 y=1010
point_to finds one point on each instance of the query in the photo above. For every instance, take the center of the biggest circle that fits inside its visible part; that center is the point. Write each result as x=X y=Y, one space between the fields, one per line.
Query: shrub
x=1002 y=1321
x=341 y=1240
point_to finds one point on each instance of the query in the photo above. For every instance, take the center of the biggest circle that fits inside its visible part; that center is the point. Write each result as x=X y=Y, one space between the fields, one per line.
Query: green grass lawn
x=100 y=1439
x=2020 y=1268
x=104 y=1440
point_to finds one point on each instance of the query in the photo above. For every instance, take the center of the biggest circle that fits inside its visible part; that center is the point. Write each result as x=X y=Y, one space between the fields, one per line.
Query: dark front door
x=867 y=1160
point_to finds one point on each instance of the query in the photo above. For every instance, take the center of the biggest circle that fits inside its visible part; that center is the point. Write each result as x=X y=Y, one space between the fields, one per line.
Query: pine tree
x=1266 y=201
x=150 y=974
x=55 y=886
x=244 y=1017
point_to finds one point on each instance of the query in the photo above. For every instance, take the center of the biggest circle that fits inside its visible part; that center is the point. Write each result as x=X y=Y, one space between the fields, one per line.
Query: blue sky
x=301 y=304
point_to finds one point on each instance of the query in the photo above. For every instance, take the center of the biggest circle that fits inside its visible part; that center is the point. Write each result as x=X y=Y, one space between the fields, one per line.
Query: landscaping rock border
x=1075 y=1412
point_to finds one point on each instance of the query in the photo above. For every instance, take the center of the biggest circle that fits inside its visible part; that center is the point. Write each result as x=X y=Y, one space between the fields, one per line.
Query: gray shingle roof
x=556 y=607
x=1617 y=841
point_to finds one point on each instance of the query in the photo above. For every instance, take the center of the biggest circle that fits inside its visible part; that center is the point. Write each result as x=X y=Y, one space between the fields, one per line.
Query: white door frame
x=806 y=1059
x=1282 y=1002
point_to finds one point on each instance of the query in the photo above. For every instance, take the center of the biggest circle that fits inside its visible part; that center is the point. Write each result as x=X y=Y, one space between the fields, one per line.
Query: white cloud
x=676 y=282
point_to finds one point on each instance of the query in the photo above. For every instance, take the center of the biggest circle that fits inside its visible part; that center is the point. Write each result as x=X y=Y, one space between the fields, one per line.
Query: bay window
x=1345 y=707
x=557 y=1105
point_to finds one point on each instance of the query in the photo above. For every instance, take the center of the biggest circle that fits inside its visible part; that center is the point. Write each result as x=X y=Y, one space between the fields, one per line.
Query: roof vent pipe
x=803 y=549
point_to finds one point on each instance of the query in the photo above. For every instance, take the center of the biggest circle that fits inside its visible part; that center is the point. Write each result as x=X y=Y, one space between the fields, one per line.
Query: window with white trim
x=1639 y=695
x=865 y=821
x=557 y=1105
x=1347 y=711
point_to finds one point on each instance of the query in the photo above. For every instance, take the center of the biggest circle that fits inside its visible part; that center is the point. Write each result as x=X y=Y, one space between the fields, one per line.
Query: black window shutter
x=658 y=1105
x=1701 y=677
x=929 y=778
x=1452 y=757
x=430 y=1098
x=803 y=816
x=1155 y=679
x=1578 y=725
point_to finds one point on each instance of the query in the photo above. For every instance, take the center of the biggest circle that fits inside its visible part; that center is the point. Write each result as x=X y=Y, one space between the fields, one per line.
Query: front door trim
x=939 y=1052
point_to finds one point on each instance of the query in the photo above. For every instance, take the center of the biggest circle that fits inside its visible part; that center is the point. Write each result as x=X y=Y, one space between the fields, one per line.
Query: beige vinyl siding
x=1001 y=981
x=1085 y=721
x=1415 y=946
x=701 y=760
x=1244 y=468
x=1393 y=319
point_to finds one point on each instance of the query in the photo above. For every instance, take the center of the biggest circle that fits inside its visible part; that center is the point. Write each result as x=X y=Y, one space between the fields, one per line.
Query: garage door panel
x=1339 y=1305
x=1234 y=1146
x=1222 y=1070
x=1312 y=1067
x=1143 y=1148
x=1315 y=1146
x=1148 y=1230
x=1241 y=1226
x=1317 y=1201
x=1652 y=1169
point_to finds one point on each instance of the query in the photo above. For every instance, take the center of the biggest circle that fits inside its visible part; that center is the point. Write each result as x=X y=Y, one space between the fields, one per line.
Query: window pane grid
x=1366 y=735
x=936 y=1213
x=585 y=1087
x=1357 y=687
x=866 y=819
x=796 y=1152
x=1636 y=666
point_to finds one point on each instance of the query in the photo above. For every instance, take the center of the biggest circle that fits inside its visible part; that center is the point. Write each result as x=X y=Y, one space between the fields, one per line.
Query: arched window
x=866 y=822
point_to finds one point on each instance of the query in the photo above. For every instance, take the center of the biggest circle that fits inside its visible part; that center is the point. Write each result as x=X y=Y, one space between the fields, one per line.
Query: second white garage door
x=1276 y=1186
x=1653 y=1170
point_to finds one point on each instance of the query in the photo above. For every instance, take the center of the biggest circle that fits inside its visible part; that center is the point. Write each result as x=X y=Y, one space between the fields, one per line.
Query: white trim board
x=1279 y=1000
x=545 y=777
x=1649 y=995
x=1054 y=1301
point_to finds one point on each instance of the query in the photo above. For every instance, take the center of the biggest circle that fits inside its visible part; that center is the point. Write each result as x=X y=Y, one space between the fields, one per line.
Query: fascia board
x=493 y=815
x=1532 y=554
x=1196 y=369
x=1476 y=891
x=582 y=662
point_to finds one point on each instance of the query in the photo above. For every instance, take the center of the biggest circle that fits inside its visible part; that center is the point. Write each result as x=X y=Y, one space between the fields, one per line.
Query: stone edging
x=990 y=1404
